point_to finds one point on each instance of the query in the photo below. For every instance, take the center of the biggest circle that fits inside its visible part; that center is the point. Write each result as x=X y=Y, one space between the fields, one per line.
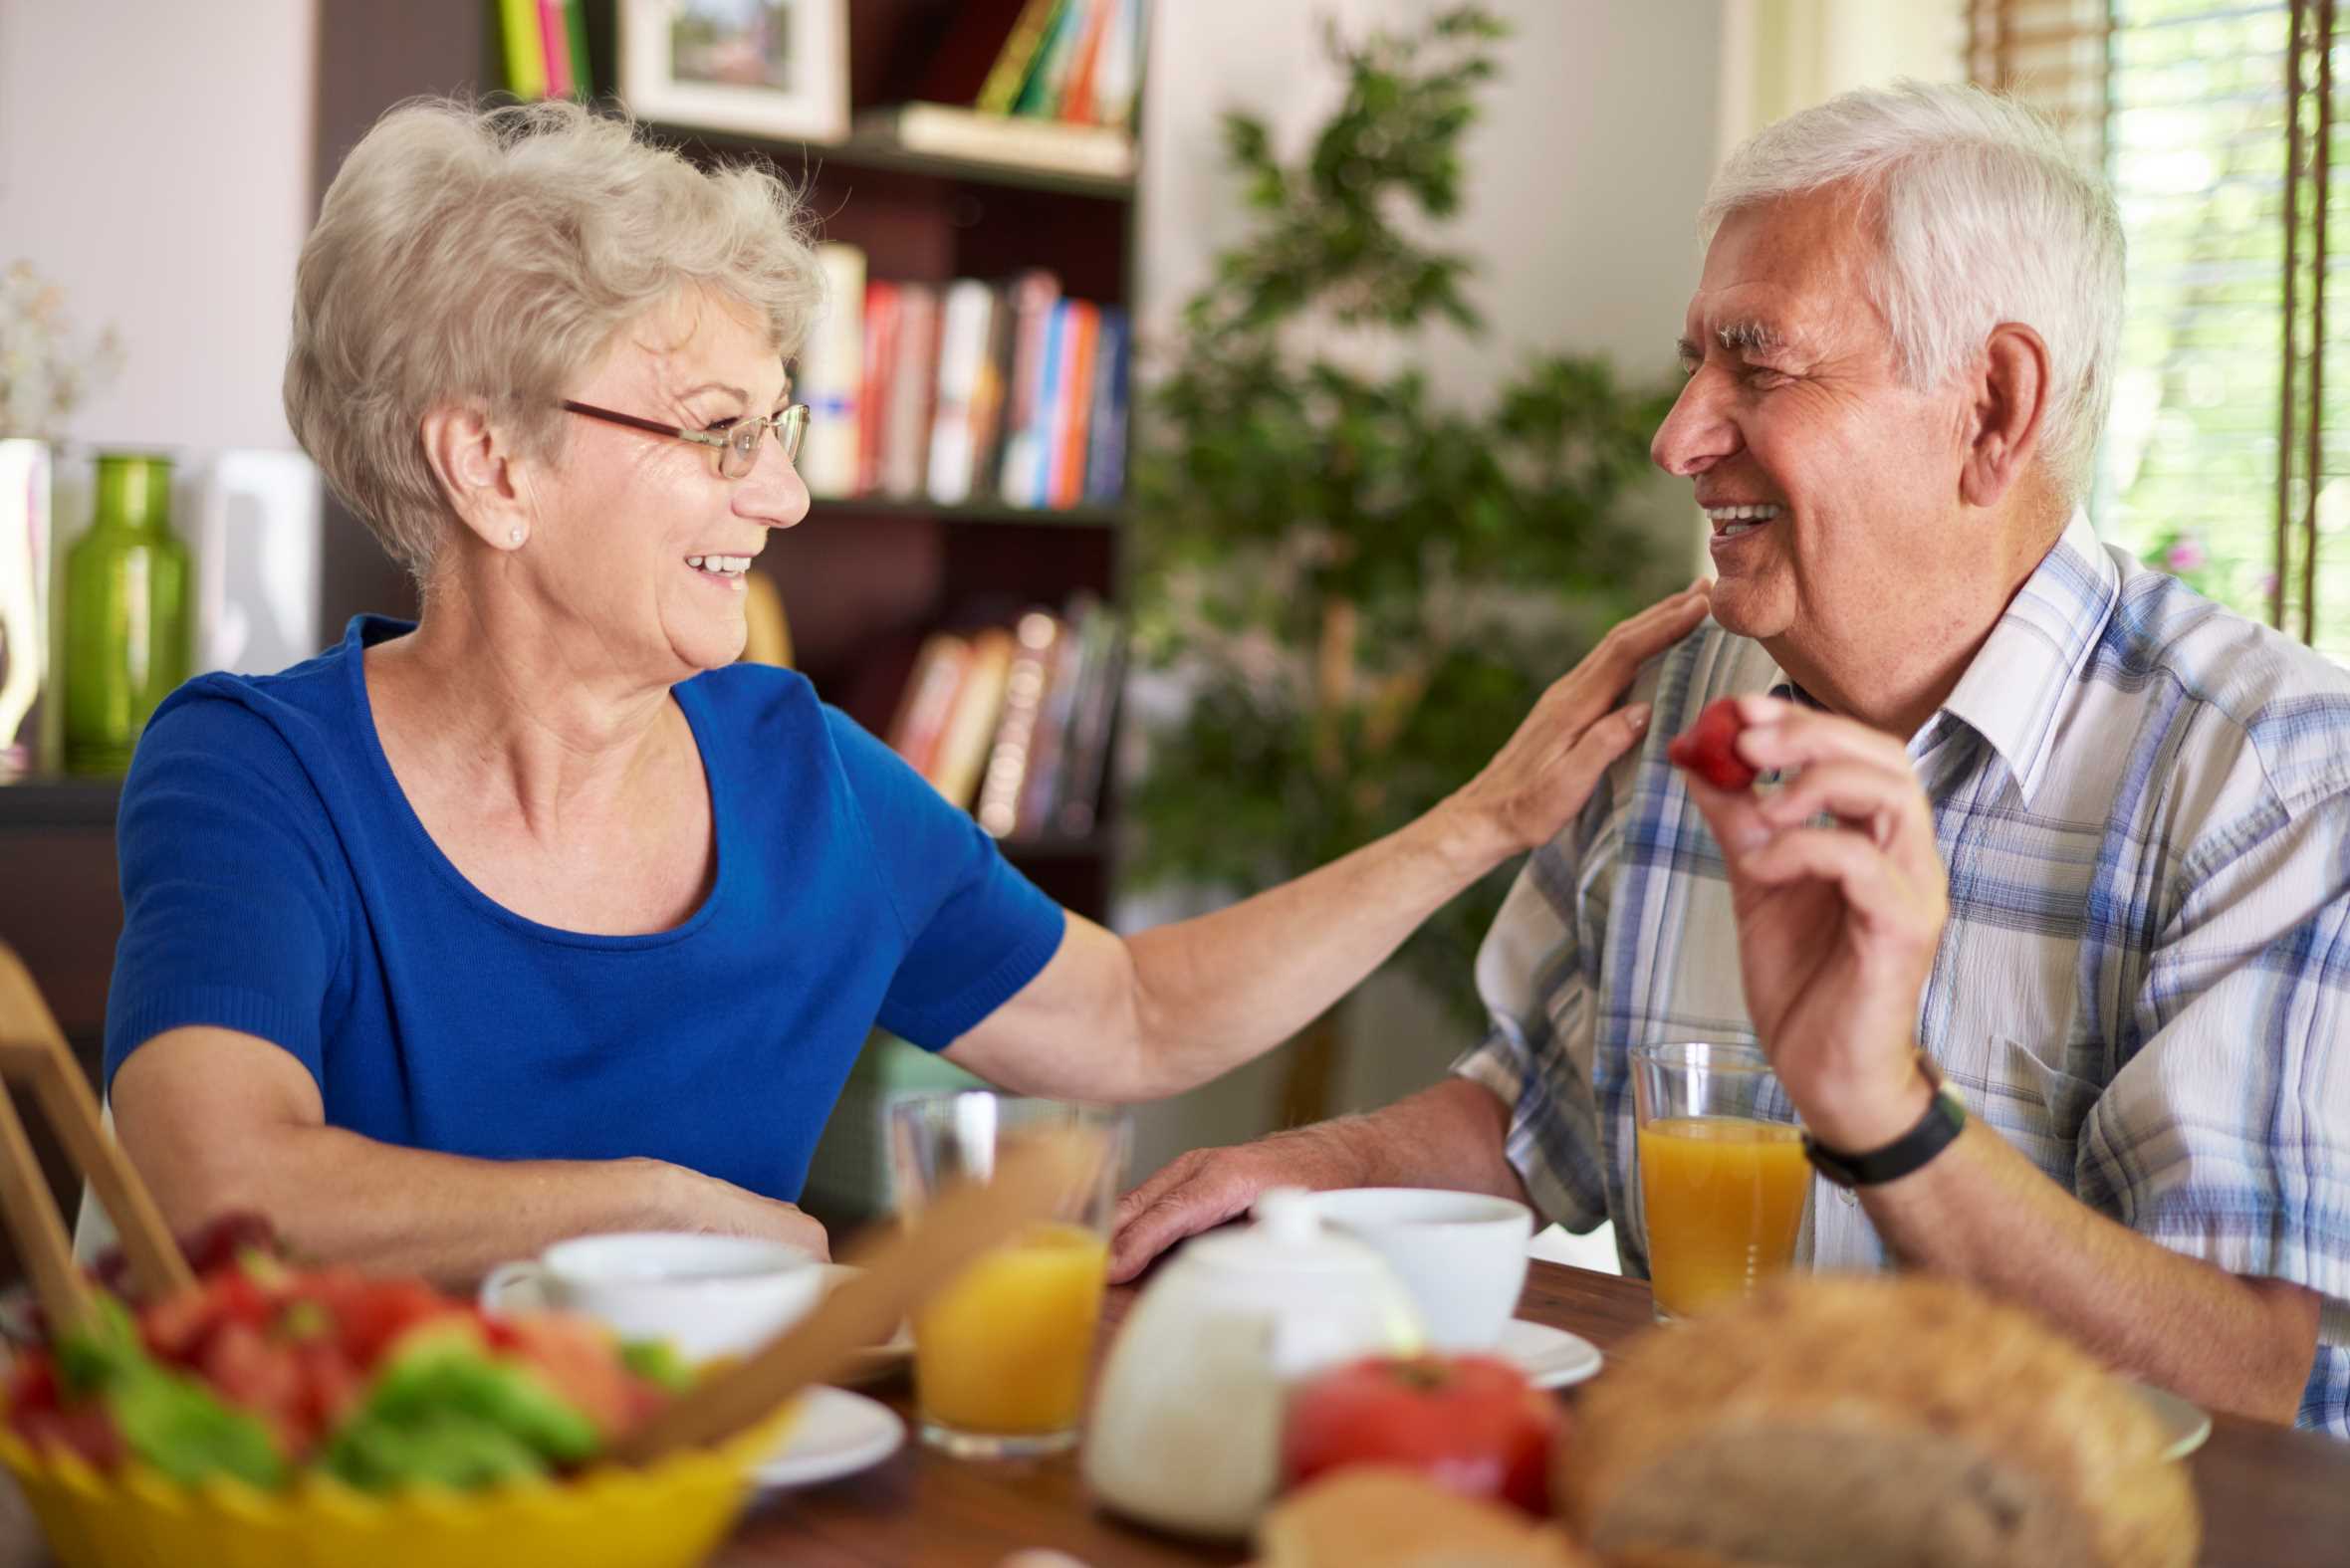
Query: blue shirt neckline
x=366 y=630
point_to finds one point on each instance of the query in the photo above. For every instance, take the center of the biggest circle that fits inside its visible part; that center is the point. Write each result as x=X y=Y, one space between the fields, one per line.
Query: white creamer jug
x=1185 y=1428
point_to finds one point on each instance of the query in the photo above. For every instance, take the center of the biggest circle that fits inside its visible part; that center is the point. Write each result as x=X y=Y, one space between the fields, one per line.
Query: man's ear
x=2011 y=405
x=473 y=463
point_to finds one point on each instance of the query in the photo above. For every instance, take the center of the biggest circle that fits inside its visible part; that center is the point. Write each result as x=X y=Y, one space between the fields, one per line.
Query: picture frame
x=766 y=67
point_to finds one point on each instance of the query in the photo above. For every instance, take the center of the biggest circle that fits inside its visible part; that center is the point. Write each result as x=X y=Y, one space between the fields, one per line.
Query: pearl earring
x=513 y=535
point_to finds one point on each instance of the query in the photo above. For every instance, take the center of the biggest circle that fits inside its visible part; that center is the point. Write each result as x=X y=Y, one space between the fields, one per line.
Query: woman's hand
x=704 y=1202
x=1541 y=778
x=1837 y=925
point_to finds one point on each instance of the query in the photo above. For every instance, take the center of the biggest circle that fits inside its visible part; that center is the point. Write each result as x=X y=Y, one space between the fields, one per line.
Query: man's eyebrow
x=1748 y=336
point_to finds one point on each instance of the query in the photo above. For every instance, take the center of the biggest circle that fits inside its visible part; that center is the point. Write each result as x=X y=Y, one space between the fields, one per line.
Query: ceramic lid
x=1287 y=1238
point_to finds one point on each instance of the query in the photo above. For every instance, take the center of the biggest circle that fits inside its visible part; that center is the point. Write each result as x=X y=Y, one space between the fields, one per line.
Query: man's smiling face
x=1831 y=485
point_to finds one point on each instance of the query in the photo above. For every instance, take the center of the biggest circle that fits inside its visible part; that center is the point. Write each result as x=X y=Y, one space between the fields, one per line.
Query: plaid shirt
x=2143 y=805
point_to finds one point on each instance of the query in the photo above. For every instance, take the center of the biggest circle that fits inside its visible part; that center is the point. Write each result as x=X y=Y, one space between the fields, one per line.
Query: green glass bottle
x=126 y=613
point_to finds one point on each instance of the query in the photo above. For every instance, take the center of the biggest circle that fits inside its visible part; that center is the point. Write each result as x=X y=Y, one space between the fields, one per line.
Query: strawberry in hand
x=1708 y=748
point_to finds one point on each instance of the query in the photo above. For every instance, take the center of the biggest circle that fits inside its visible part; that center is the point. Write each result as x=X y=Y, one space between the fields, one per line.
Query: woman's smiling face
x=639 y=539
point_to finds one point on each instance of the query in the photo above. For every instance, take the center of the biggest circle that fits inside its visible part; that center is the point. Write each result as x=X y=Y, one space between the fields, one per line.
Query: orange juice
x=1004 y=1348
x=1725 y=1197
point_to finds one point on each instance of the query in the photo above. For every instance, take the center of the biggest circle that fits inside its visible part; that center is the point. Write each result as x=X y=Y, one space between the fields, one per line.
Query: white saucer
x=1551 y=1358
x=2185 y=1425
x=838 y=1434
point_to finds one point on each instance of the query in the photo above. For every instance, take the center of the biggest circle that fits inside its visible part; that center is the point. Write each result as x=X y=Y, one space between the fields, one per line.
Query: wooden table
x=2271 y=1497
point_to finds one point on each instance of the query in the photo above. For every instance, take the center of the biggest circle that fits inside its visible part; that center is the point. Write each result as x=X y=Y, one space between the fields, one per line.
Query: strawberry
x=1708 y=748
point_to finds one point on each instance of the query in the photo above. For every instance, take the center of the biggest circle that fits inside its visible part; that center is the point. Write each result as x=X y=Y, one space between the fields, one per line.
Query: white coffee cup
x=1462 y=1256
x=707 y=1295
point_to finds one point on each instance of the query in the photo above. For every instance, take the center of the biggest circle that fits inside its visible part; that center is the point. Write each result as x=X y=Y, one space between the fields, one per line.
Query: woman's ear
x=477 y=471
x=2011 y=405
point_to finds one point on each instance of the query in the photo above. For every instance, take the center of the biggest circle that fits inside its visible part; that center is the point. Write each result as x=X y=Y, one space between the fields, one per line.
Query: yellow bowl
x=669 y=1516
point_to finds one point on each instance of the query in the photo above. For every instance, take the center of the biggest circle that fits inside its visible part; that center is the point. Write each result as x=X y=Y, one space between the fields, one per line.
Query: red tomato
x=1708 y=748
x=1471 y=1424
x=86 y=1430
x=258 y=1375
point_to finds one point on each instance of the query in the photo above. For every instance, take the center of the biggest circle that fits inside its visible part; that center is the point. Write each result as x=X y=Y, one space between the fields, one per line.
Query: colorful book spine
x=830 y=375
x=1073 y=414
x=962 y=353
x=872 y=400
x=526 y=53
x=1034 y=480
x=1106 y=458
x=1086 y=751
x=1038 y=795
x=928 y=700
x=1036 y=638
x=971 y=729
x=913 y=375
x=554 y=43
x=1012 y=67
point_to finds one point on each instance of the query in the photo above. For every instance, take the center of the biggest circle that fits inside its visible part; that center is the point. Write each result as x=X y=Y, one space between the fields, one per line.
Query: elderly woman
x=544 y=916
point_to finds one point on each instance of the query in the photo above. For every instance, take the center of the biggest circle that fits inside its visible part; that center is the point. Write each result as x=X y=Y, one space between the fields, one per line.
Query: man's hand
x=1837 y=925
x=706 y=1203
x=1207 y=1187
x=1544 y=773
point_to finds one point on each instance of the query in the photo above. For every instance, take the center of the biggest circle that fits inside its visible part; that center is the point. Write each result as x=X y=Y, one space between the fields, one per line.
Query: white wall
x=1583 y=181
x=155 y=161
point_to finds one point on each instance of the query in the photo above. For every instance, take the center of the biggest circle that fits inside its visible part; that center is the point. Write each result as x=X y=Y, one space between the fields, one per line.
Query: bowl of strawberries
x=277 y=1415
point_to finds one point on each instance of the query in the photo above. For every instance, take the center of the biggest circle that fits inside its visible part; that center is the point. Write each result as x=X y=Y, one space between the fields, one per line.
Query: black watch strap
x=1933 y=1132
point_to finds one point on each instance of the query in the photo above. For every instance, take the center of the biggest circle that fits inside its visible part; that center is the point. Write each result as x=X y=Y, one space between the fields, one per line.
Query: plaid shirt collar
x=2013 y=691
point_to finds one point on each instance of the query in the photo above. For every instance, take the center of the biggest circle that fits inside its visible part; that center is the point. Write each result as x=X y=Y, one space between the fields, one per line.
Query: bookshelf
x=865 y=580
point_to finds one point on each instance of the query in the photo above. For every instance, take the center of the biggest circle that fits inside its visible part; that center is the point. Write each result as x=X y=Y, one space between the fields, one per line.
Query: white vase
x=28 y=549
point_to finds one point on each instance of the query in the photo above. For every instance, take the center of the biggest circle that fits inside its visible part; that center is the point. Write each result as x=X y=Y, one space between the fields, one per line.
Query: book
x=526 y=53
x=1037 y=796
x=830 y=376
x=989 y=390
x=554 y=43
x=1073 y=413
x=1040 y=145
x=970 y=726
x=928 y=699
x=964 y=320
x=1028 y=473
x=574 y=21
x=1105 y=457
x=1041 y=94
x=1118 y=76
x=1035 y=637
x=1019 y=55
x=1076 y=102
x=960 y=67
x=913 y=375
x=1086 y=750
x=1035 y=296
x=880 y=352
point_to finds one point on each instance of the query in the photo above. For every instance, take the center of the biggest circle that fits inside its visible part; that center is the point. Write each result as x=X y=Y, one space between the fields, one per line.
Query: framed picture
x=768 y=67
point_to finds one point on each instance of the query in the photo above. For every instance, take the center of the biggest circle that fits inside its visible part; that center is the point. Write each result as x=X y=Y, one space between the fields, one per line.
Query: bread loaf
x=1384 y=1517
x=1871 y=1421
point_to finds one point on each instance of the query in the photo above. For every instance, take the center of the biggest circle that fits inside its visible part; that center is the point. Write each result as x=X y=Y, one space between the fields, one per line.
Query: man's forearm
x=1983 y=1212
x=1221 y=989
x=1451 y=1134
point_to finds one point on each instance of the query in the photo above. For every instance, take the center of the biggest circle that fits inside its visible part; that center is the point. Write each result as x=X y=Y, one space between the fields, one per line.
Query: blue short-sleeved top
x=276 y=881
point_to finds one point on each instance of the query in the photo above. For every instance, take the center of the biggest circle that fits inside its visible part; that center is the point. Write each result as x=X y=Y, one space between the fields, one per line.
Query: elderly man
x=2058 y=832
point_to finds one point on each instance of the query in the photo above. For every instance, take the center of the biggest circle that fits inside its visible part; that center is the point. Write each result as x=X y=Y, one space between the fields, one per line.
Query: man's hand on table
x=696 y=1202
x=1205 y=1188
x=1837 y=925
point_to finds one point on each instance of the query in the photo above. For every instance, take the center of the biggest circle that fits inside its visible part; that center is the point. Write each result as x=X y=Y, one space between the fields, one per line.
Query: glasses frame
x=736 y=456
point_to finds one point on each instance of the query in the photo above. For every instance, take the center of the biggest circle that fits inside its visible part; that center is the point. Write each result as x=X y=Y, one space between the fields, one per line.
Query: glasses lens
x=792 y=429
x=741 y=453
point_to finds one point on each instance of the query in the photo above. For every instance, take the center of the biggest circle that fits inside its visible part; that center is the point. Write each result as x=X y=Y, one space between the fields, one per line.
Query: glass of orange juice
x=1722 y=1177
x=1002 y=1353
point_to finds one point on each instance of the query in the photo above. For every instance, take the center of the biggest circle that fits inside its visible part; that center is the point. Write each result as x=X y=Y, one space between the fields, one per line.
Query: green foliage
x=1363 y=589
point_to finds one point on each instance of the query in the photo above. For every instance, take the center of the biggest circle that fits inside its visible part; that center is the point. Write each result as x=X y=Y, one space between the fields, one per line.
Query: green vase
x=127 y=613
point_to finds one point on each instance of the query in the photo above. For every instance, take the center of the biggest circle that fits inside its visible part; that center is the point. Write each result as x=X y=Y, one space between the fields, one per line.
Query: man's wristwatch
x=1934 y=1131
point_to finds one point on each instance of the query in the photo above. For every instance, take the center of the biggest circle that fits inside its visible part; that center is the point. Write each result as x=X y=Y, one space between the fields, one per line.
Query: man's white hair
x=1982 y=217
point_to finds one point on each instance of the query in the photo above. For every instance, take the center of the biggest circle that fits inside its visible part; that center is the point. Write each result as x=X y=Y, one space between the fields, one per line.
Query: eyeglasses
x=737 y=445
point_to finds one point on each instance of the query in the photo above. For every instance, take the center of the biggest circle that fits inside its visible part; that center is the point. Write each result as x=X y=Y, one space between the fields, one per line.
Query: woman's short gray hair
x=490 y=256
x=1982 y=216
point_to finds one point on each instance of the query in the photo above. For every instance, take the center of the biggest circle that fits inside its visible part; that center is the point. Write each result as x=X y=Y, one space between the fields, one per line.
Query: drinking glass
x=1002 y=1353
x=1722 y=1177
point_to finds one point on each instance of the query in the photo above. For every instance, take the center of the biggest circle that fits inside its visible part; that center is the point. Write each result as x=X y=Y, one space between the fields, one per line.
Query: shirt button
x=1850 y=1197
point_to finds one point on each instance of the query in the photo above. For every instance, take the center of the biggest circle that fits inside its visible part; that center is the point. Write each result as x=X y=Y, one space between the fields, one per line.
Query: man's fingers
x=1787 y=735
x=1184 y=1211
x=1872 y=885
x=1173 y=1174
x=1857 y=793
